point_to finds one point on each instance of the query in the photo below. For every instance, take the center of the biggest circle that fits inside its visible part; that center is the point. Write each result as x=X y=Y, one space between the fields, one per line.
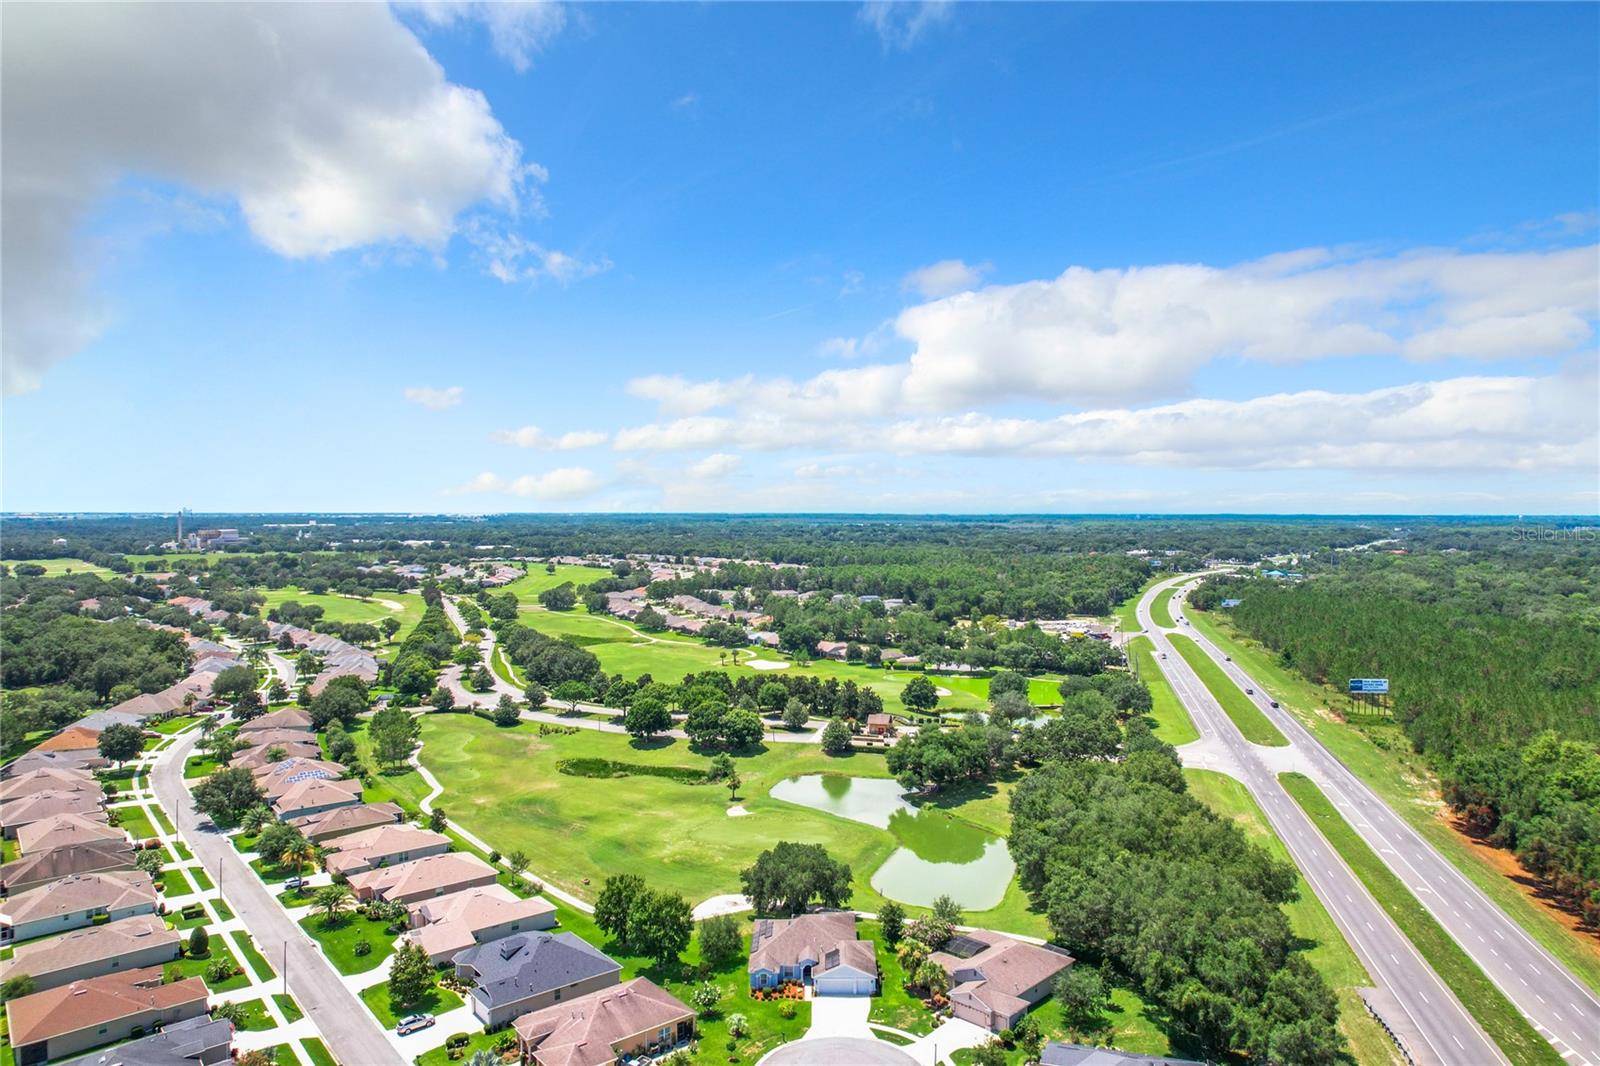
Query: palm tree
x=299 y=853
x=932 y=976
x=483 y=1057
x=912 y=954
x=253 y=655
x=332 y=900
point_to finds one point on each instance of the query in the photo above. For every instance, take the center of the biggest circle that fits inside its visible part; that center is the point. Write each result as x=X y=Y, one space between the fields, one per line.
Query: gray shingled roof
x=516 y=967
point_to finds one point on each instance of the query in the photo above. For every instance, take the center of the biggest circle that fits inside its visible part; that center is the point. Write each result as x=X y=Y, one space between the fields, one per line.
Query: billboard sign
x=1369 y=685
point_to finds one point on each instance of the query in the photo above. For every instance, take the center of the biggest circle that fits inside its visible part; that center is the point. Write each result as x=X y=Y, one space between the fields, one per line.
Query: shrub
x=362 y=947
x=738 y=1025
x=457 y=1040
x=218 y=970
x=788 y=1011
x=199 y=942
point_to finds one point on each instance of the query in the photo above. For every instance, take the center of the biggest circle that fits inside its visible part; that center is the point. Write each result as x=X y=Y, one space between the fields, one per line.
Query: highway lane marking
x=1457 y=1039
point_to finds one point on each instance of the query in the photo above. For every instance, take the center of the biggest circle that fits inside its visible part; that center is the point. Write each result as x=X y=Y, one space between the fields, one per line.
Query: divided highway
x=1558 y=1005
x=1435 y=1028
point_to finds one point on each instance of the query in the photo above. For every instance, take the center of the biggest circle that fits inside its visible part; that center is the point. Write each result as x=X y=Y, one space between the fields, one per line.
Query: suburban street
x=1433 y=1025
x=1558 y=1005
x=352 y=1034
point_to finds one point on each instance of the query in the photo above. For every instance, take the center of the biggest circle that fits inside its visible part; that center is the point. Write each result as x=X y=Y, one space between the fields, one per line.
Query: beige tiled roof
x=1002 y=970
x=47 y=779
x=422 y=875
x=779 y=942
x=81 y=1004
x=288 y=718
x=60 y=830
x=41 y=958
x=345 y=819
x=315 y=793
x=450 y=923
x=107 y=889
x=583 y=1031
x=41 y=805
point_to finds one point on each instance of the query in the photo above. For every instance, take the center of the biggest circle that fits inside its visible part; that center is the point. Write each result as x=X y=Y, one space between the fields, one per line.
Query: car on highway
x=1249 y=692
x=1227 y=658
x=1274 y=703
x=413 y=1023
x=1163 y=655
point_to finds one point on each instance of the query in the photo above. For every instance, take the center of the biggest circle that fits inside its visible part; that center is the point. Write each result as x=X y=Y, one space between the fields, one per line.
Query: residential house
x=81 y=759
x=197 y=1041
x=61 y=830
x=436 y=875
x=276 y=778
x=384 y=845
x=764 y=638
x=87 y=857
x=880 y=725
x=833 y=649
x=636 y=1018
x=100 y=721
x=315 y=796
x=101 y=1010
x=994 y=979
x=76 y=901
x=276 y=738
x=47 y=779
x=25 y=810
x=72 y=738
x=288 y=718
x=329 y=825
x=530 y=971
x=448 y=925
x=127 y=944
x=817 y=949
x=262 y=755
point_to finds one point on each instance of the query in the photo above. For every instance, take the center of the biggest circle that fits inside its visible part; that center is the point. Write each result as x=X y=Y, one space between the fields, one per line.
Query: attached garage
x=844 y=981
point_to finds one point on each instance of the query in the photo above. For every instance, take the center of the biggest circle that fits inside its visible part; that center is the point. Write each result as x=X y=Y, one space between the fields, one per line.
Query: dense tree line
x=46 y=642
x=548 y=660
x=429 y=645
x=1143 y=879
x=1505 y=706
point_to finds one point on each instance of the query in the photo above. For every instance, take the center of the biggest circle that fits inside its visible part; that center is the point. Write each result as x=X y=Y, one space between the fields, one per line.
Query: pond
x=938 y=854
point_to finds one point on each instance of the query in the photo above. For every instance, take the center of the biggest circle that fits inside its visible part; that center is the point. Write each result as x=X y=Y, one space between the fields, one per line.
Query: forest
x=1494 y=672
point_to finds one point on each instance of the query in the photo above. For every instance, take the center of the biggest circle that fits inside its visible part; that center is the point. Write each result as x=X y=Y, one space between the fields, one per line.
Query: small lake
x=938 y=854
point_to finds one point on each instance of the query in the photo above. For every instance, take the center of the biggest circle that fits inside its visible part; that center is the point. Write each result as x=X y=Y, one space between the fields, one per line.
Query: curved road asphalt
x=1559 y=1006
x=1436 y=1029
x=352 y=1034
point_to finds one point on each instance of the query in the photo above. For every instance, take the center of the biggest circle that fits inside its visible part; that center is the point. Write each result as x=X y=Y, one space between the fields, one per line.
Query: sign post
x=1372 y=691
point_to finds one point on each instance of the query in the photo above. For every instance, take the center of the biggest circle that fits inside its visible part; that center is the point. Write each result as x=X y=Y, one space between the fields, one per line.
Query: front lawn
x=201 y=878
x=339 y=938
x=135 y=821
x=434 y=1002
x=480 y=1041
x=254 y=1017
x=286 y=1004
x=176 y=725
x=190 y=966
x=317 y=1052
x=252 y=957
x=200 y=766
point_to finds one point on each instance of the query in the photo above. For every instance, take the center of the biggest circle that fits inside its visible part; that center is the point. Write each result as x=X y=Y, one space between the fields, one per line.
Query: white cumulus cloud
x=715 y=466
x=564 y=483
x=944 y=278
x=436 y=399
x=534 y=437
x=518 y=29
x=329 y=126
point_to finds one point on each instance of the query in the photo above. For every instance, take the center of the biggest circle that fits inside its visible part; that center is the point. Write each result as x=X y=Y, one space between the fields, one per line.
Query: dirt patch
x=1506 y=864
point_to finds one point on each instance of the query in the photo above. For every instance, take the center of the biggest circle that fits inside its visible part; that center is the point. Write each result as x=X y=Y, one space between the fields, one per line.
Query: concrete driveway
x=839 y=1016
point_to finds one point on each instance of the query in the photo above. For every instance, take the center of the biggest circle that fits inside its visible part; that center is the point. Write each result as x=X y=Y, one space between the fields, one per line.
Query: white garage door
x=843 y=986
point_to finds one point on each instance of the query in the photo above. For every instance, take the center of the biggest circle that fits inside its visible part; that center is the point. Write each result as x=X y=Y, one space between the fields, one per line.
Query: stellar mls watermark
x=1556 y=533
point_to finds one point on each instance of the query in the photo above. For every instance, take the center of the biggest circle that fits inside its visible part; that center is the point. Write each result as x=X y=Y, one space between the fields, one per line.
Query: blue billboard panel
x=1369 y=685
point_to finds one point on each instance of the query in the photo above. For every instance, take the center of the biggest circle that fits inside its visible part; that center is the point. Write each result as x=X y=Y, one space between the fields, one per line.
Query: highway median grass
x=1486 y=1003
x=1161 y=609
x=1244 y=714
x=1381 y=755
x=1171 y=721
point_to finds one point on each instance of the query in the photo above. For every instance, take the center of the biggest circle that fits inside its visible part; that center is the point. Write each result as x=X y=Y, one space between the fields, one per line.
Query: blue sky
x=765 y=257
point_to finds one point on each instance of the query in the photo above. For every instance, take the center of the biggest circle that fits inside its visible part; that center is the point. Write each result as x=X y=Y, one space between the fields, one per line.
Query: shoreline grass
x=1487 y=1004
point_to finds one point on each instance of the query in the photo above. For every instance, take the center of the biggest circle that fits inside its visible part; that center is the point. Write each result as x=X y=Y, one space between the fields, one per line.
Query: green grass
x=504 y=785
x=528 y=587
x=337 y=608
x=338 y=941
x=1488 y=1005
x=174 y=883
x=255 y=1018
x=200 y=766
x=200 y=878
x=1171 y=722
x=1381 y=755
x=318 y=1052
x=479 y=1041
x=288 y=1007
x=58 y=567
x=222 y=909
x=176 y=725
x=1161 y=609
x=283 y=1055
x=437 y=1001
x=135 y=821
x=183 y=850
x=163 y=821
x=1324 y=945
x=252 y=957
x=1245 y=714
x=196 y=967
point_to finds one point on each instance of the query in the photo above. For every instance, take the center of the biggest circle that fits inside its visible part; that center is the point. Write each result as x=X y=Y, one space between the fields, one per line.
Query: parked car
x=294 y=883
x=413 y=1023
